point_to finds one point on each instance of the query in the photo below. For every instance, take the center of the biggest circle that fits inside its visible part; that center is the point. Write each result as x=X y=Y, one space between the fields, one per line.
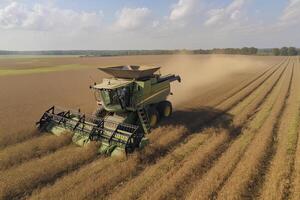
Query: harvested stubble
x=155 y=152
x=261 y=76
x=240 y=183
x=21 y=180
x=66 y=184
x=208 y=185
x=295 y=188
x=135 y=187
x=253 y=101
x=277 y=181
x=165 y=138
x=295 y=191
x=36 y=147
x=173 y=182
x=242 y=94
x=152 y=150
x=98 y=185
x=9 y=139
x=175 y=185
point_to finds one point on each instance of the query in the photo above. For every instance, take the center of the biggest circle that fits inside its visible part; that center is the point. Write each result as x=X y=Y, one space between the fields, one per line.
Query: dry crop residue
x=234 y=133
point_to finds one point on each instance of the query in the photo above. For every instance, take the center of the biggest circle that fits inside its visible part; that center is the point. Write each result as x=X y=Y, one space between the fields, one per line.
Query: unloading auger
x=129 y=105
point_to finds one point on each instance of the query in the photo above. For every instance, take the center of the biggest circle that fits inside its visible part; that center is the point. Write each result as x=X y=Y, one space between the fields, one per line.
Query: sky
x=148 y=24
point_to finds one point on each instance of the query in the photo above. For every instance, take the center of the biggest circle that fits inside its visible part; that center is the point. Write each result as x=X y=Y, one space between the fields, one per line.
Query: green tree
x=292 y=51
x=276 y=52
x=245 y=51
x=284 y=51
x=253 y=50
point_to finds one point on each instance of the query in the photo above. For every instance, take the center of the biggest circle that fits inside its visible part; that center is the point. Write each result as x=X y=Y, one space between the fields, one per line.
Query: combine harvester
x=129 y=105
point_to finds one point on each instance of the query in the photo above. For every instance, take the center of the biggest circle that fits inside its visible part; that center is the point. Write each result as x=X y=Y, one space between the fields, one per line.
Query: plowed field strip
x=177 y=181
x=241 y=182
x=277 y=180
x=160 y=146
x=21 y=180
x=30 y=149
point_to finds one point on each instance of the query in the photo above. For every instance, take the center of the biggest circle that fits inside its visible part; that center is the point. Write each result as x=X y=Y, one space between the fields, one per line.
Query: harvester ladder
x=144 y=119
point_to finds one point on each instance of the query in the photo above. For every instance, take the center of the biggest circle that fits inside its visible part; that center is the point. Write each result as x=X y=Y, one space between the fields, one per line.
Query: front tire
x=165 y=108
x=100 y=112
x=153 y=117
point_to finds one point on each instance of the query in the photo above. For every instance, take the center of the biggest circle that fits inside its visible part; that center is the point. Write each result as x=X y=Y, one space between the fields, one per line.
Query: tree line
x=242 y=51
x=284 y=51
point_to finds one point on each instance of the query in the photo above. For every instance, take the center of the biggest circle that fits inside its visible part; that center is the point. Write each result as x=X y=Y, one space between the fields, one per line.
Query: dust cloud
x=199 y=73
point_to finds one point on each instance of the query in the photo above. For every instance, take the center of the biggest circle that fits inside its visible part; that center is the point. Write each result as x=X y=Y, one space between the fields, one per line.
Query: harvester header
x=129 y=105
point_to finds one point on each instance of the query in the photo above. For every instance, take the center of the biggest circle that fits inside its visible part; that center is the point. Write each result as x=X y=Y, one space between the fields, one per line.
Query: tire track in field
x=240 y=183
x=277 y=177
x=255 y=106
x=190 y=170
x=100 y=190
x=252 y=81
x=255 y=88
x=271 y=150
x=294 y=178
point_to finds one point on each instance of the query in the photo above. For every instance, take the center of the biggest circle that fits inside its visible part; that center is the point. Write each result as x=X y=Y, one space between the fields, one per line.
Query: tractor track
x=269 y=154
x=193 y=171
x=295 y=172
x=276 y=172
x=253 y=89
x=251 y=82
x=235 y=186
x=293 y=190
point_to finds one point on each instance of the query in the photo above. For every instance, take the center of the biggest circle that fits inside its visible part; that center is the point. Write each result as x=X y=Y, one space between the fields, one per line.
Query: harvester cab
x=130 y=104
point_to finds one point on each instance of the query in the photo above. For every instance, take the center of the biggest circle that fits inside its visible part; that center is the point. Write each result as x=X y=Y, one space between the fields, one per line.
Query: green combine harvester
x=130 y=104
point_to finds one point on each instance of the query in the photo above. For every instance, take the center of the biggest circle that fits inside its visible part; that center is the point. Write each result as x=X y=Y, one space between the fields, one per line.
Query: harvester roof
x=130 y=71
x=112 y=84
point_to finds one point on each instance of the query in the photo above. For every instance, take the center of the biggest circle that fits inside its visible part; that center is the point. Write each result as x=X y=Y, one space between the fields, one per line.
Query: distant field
x=34 y=70
x=34 y=56
x=233 y=135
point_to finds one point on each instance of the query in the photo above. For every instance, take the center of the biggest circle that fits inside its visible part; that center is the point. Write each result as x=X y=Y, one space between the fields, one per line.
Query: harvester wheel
x=165 y=109
x=100 y=112
x=153 y=117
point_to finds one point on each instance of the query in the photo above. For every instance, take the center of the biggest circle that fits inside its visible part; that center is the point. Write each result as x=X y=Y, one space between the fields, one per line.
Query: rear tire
x=165 y=108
